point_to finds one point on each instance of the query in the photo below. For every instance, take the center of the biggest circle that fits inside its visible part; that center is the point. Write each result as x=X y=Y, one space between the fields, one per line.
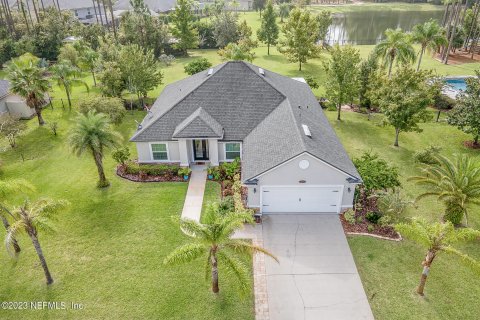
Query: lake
x=367 y=27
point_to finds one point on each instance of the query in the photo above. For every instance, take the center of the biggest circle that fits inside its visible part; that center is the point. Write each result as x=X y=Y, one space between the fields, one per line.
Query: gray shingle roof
x=199 y=125
x=154 y=5
x=266 y=112
x=4 y=88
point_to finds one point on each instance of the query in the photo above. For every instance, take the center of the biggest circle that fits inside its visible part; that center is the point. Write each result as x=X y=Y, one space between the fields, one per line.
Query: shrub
x=112 y=107
x=370 y=228
x=453 y=213
x=185 y=171
x=427 y=155
x=349 y=216
x=227 y=184
x=444 y=102
x=121 y=155
x=197 y=65
x=167 y=60
x=312 y=82
x=53 y=125
x=392 y=205
x=168 y=170
x=226 y=205
x=373 y=216
x=231 y=168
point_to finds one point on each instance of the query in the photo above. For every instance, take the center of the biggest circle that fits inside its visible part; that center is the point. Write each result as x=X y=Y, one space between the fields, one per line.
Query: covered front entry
x=200 y=150
x=302 y=199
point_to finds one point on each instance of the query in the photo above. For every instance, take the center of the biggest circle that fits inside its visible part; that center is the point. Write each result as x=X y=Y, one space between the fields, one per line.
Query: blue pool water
x=457 y=84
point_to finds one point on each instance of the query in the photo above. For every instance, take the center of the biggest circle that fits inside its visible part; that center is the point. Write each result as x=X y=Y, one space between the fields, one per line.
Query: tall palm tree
x=456 y=183
x=31 y=218
x=430 y=35
x=7 y=189
x=93 y=133
x=212 y=242
x=28 y=81
x=65 y=75
x=436 y=238
x=283 y=11
x=396 y=46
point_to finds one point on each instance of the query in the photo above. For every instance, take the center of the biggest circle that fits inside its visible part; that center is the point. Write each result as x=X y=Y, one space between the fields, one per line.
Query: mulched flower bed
x=362 y=227
x=146 y=178
x=471 y=145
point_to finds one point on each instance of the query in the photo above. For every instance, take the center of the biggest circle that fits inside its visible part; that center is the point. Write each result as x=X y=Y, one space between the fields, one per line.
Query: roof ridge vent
x=261 y=71
x=210 y=71
x=306 y=130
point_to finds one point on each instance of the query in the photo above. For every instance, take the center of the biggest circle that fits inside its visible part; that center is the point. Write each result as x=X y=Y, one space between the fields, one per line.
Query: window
x=159 y=151
x=76 y=13
x=232 y=150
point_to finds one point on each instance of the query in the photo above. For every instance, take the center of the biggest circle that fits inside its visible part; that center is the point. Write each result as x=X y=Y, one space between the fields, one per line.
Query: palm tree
x=436 y=238
x=92 y=133
x=456 y=183
x=397 y=45
x=31 y=218
x=283 y=11
x=212 y=242
x=65 y=75
x=430 y=35
x=28 y=81
x=8 y=188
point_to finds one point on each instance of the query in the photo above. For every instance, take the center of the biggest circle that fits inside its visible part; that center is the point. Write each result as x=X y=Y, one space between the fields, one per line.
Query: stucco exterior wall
x=289 y=173
x=3 y=106
x=145 y=156
x=17 y=106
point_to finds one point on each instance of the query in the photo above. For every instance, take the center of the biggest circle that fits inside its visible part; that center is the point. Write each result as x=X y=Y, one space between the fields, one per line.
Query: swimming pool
x=457 y=84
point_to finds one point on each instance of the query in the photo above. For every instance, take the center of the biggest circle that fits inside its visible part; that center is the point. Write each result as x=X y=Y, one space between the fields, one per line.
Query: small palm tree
x=430 y=35
x=212 y=241
x=93 y=133
x=32 y=218
x=7 y=189
x=65 y=74
x=283 y=11
x=29 y=82
x=396 y=46
x=436 y=238
x=456 y=183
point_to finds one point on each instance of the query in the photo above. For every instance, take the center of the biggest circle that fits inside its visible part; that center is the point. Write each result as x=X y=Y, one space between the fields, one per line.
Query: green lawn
x=108 y=250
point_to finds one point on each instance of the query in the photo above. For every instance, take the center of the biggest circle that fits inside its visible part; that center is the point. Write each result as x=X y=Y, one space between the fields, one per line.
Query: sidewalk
x=192 y=208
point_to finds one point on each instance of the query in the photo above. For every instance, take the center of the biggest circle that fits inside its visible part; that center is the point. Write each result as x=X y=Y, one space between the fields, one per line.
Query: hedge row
x=152 y=169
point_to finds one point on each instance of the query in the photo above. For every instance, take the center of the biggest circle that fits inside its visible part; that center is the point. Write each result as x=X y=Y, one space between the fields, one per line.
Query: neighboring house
x=83 y=10
x=13 y=104
x=158 y=6
x=292 y=161
x=241 y=5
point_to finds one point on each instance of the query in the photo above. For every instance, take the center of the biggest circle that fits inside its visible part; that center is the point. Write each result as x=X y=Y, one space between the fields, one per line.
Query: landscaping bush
x=168 y=170
x=427 y=155
x=392 y=206
x=197 y=65
x=444 y=102
x=349 y=216
x=185 y=171
x=231 y=168
x=112 y=107
x=373 y=217
x=226 y=205
x=121 y=155
x=167 y=59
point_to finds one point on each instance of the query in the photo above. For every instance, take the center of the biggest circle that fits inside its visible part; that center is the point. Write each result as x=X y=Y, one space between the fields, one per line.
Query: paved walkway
x=316 y=277
x=192 y=208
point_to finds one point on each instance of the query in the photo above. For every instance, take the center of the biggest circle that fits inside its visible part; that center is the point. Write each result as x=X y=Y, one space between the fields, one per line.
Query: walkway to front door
x=316 y=277
x=192 y=208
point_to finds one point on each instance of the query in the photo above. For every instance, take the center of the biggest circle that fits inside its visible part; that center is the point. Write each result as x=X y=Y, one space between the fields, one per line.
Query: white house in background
x=13 y=104
x=292 y=160
x=83 y=10
x=157 y=6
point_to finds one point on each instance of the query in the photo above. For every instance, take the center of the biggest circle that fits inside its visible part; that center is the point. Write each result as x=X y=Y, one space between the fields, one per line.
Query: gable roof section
x=154 y=5
x=236 y=96
x=4 y=88
x=199 y=125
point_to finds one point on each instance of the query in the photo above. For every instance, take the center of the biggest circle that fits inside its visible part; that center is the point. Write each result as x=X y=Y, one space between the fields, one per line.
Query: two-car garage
x=301 y=199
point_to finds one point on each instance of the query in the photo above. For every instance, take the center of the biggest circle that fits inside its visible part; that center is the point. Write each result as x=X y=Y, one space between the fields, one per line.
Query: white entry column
x=183 y=149
x=213 y=151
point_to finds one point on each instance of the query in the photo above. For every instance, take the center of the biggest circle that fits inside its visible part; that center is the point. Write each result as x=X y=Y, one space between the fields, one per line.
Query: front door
x=200 y=150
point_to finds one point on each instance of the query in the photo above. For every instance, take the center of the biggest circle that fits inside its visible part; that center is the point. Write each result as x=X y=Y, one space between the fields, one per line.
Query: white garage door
x=314 y=199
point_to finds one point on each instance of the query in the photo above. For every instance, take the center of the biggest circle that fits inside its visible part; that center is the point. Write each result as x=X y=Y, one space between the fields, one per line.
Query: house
x=13 y=104
x=83 y=10
x=158 y=6
x=292 y=161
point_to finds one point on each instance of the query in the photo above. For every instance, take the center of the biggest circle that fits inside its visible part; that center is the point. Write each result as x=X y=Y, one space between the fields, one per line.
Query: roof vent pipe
x=261 y=71
x=210 y=71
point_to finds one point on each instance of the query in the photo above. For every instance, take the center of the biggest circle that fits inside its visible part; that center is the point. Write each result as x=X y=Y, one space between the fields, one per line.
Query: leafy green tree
x=92 y=133
x=183 y=29
x=225 y=28
x=197 y=65
x=29 y=82
x=456 y=183
x=245 y=35
x=111 y=80
x=437 y=238
x=284 y=10
x=237 y=52
x=140 y=69
x=29 y=219
x=65 y=74
x=430 y=35
x=211 y=241
x=300 y=35
x=397 y=46
x=342 y=76
x=121 y=155
x=269 y=30
x=466 y=114
x=9 y=188
x=403 y=98
x=368 y=69
x=70 y=54
x=312 y=82
x=88 y=60
x=112 y=107
x=324 y=21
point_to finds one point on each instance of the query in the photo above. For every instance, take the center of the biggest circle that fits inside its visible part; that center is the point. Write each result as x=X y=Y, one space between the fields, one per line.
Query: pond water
x=367 y=27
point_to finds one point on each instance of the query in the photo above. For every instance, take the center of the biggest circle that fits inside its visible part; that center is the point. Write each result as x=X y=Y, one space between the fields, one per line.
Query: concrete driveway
x=317 y=277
